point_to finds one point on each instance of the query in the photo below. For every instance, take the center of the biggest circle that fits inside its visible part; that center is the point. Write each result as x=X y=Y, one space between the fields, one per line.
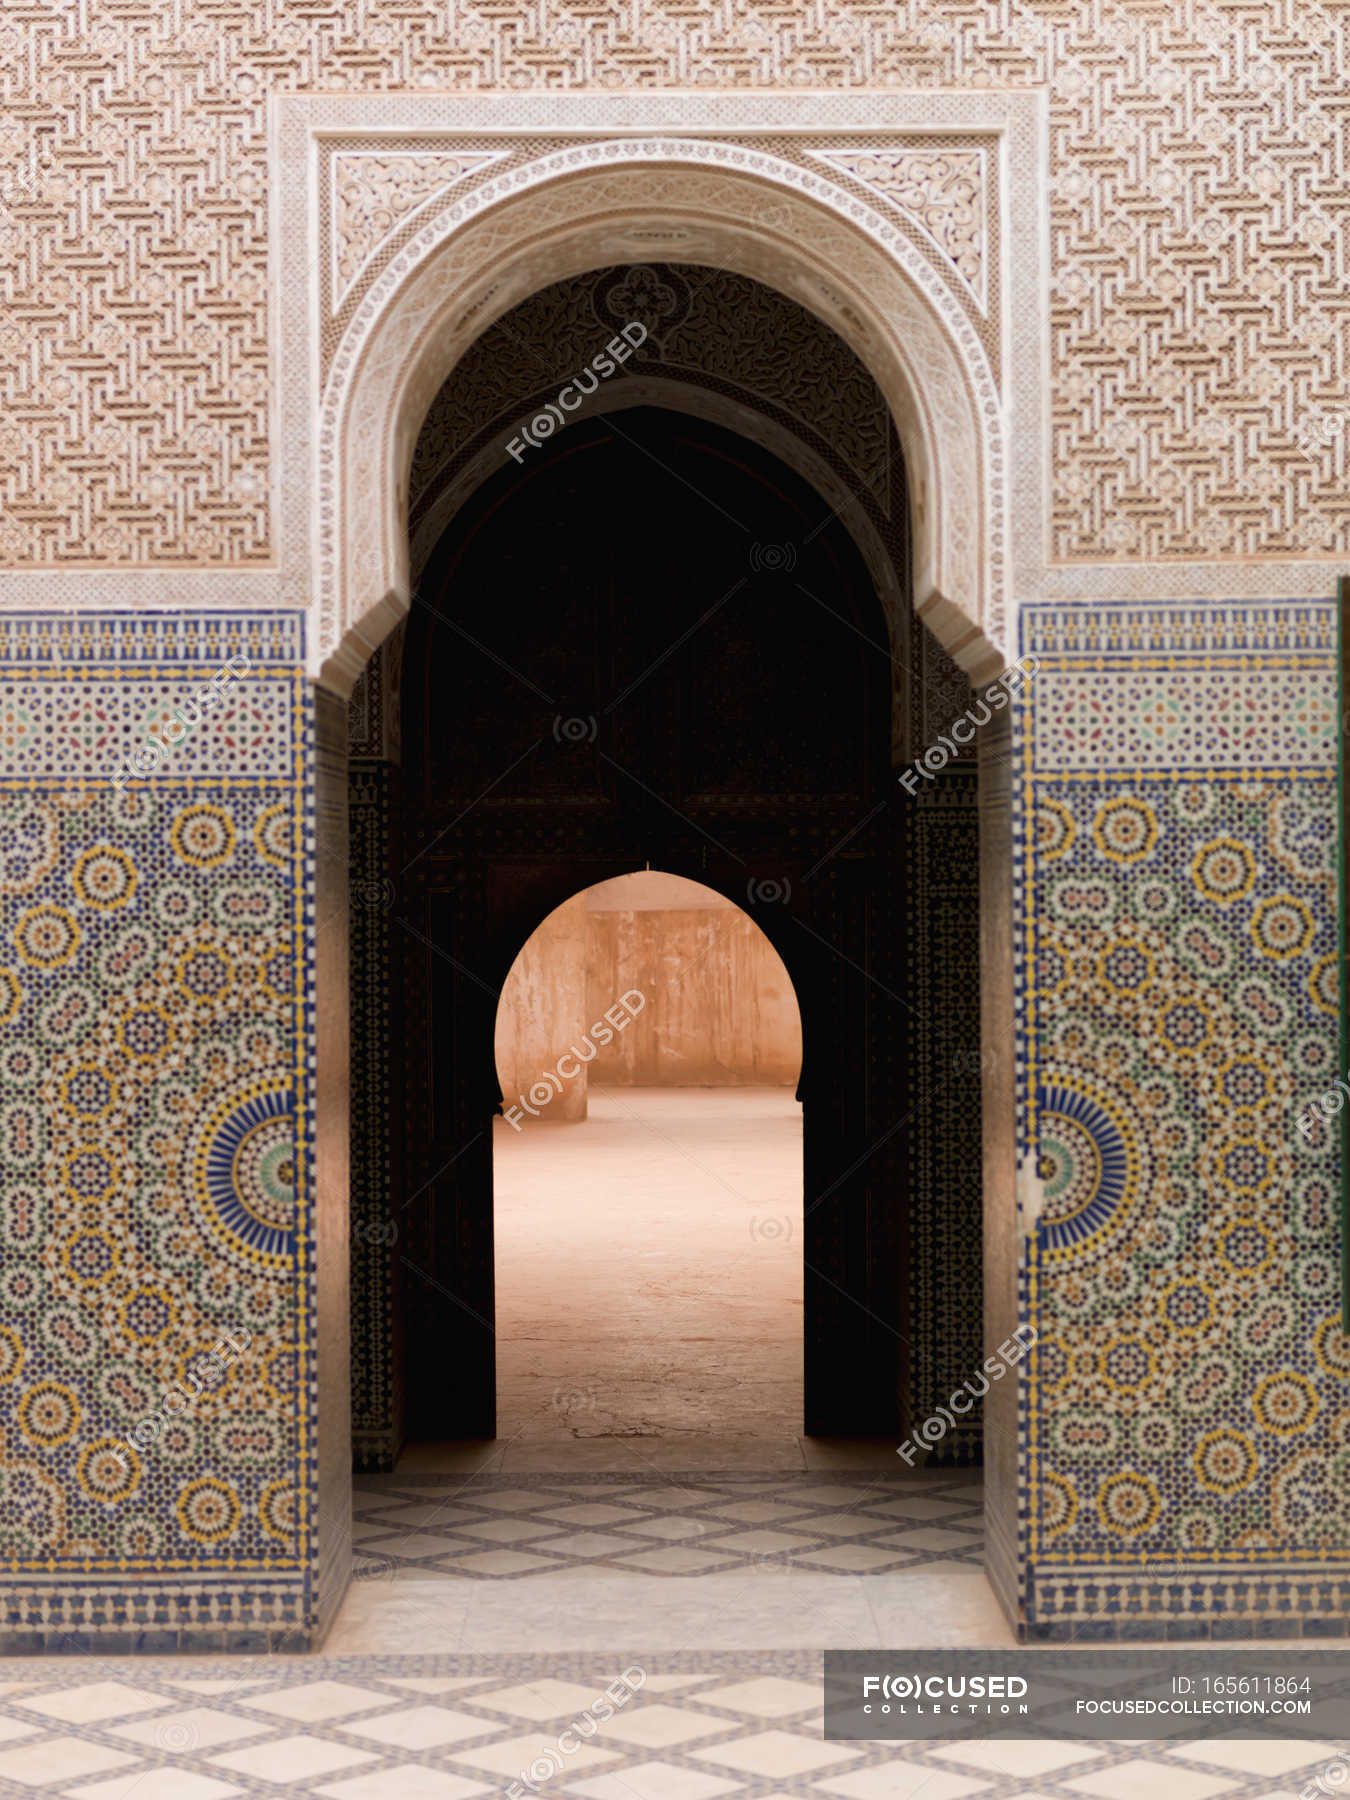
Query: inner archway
x=653 y=647
x=647 y=1174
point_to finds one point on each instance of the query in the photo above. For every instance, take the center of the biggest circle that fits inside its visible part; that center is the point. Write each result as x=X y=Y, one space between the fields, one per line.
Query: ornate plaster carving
x=944 y=191
x=371 y=195
x=726 y=204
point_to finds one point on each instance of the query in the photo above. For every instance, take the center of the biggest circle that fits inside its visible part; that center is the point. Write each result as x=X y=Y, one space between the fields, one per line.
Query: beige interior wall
x=540 y=1016
x=708 y=1002
x=719 y=1012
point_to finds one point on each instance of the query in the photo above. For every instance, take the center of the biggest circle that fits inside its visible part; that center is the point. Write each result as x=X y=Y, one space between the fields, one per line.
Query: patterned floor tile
x=439 y=1524
x=675 y=1527
x=927 y=1506
x=155 y=1784
x=675 y=1559
x=201 y=1685
x=92 y=1701
x=932 y=1538
x=418 y=1546
x=759 y=1543
x=898 y=1780
x=856 y=1559
x=498 y=1562
x=194 y=1728
x=657 y=1727
x=653 y=1781
x=777 y=1754
x=1127 y=1781
x=439 y=1513
x=1027 y=1758
x=367 y=1528
x=507 y=1500
x=409 y=1781
x=1262 y=1756
x=292 y=1759
x=538 y=1700
x=319 y=1701
x=758 y=1512
x=677 y=1499
x=446 y=1726
x=766 y=1697
x=35 y=1765
x=842 y=1525
x=511 y=1531
x=510 y=1755
x=589 y=1546
x=586 y=1514
x=434 y=1684
x=422 y=1727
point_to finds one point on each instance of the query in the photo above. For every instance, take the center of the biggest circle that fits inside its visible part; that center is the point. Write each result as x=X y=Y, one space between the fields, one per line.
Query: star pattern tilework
x=1187 y=1409
x=154 y=1094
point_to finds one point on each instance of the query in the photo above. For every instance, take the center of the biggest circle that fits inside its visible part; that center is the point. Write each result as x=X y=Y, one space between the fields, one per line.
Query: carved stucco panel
x=479 y=255
x=372 y=192
x=942 y=191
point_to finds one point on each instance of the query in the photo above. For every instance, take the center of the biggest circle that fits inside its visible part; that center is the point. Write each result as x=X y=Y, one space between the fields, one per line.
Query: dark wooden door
x=651 y=645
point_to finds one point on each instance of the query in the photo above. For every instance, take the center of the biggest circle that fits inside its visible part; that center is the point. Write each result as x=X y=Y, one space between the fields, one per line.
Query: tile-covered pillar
x=1185 y=1410
x=158 y=1284
x=374 y=731
x=946 y=1254
x=329 y=1130
x=1003 y=1480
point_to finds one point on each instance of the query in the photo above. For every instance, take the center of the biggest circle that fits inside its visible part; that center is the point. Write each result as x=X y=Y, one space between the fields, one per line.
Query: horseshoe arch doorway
x=651 y=645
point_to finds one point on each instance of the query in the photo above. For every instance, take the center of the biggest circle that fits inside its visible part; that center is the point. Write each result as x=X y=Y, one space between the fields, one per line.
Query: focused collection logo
x=926 y=1694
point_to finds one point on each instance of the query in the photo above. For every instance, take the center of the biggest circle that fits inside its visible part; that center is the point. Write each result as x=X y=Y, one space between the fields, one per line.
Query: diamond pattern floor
x=702 y=1727
x=504 y=1527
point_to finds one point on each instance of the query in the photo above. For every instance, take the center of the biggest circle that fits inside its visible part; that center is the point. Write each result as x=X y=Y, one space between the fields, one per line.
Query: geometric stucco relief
x=1198 y=192
x=766 y=208
x=944 y=200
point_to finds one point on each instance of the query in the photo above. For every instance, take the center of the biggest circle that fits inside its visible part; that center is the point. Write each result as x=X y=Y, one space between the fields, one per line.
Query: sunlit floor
x=649 y=1268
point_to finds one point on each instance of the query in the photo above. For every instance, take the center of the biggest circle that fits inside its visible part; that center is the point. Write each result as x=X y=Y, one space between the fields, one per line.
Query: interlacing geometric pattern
x=1189 y=1408
x=376 y=1341
x=714 y=1725
x=507 y=1527
x=1199 y=203
x=946 y=1263
x=153 y=1055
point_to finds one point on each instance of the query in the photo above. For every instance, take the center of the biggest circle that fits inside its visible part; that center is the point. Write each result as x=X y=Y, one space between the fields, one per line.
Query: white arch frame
x=477 y=255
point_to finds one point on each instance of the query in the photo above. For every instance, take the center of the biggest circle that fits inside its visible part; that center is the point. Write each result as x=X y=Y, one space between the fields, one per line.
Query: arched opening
x=797 y=821
x=719 y=207
x=647 y=1173
x=715 y=206
x=625 y=651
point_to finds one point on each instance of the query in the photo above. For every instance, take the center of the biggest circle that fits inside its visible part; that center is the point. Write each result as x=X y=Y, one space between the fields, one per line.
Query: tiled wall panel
x=155 y=1072
x=1186 y=1409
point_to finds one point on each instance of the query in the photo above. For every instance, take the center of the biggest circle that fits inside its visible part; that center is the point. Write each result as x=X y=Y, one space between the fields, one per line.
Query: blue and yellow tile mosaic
x=155 y=1058
x=1186 y=1409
